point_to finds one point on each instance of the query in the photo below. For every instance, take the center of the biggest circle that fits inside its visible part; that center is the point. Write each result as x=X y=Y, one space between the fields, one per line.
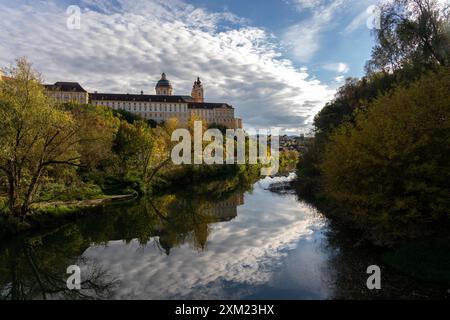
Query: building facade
x=3 y=77
x=159 y=107
x=197 y=91
x=65 y=92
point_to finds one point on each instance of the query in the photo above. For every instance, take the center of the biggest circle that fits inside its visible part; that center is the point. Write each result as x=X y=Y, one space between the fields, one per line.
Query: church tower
x=163 y=87
x=197 y=91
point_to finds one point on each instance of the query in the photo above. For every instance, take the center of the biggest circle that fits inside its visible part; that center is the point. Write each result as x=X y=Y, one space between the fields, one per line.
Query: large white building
x=159 y=107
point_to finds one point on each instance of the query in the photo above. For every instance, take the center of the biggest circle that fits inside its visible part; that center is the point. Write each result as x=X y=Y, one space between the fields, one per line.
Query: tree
x=134 y=146
x=35 y=136
x=127 y=116
x=162 y=148
x=413 y=32
x=97 y=128
x=390 y=168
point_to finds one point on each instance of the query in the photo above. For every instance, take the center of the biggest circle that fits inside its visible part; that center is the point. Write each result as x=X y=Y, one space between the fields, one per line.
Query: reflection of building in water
x=225 y=210
x=196 y=223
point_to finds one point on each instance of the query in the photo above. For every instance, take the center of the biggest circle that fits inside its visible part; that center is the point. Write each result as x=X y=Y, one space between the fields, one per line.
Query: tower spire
x=197 y=91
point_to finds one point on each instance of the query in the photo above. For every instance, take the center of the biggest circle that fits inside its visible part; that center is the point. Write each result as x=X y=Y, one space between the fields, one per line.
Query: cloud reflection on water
x=273 y=249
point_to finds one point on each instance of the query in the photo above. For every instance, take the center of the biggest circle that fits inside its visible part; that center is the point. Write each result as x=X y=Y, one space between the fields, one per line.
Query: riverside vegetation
x=33 y=266
x=379 y=161
x=56 y=157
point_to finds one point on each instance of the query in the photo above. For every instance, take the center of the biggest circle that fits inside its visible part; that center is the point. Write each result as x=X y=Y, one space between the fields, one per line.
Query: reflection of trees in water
x=349 y=258
x=349 y=263
x=35 y=268
x=172 y=220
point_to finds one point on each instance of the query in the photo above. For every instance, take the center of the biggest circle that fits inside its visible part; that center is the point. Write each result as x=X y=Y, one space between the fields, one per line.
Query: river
x=253 y=244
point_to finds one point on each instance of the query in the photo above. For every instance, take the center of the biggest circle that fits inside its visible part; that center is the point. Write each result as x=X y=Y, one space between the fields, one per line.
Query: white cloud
x=304 y=38
x=359 y=21
x=339 y=79
x=124 y=48
x=367 y=18
x=307 y=4
x=338 y=67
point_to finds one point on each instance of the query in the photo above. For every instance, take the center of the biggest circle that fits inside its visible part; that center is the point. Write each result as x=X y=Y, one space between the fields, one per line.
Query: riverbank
x=217 y=181
x=83 y=203
x=250 y=242
x=425 y=258
x=52 y=214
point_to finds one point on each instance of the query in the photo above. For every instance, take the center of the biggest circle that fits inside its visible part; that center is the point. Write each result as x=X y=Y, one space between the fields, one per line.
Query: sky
x=278 y=62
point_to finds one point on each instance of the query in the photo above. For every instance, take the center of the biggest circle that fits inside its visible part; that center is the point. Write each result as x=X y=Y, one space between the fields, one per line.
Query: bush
x=131 y=183
x=77 y=191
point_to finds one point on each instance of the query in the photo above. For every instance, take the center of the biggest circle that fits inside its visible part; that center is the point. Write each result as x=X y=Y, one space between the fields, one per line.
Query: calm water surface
x=244 y=245
x=262 y=246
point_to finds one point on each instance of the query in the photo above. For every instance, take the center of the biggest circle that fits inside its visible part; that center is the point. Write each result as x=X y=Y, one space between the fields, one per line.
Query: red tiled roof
x=6 y=78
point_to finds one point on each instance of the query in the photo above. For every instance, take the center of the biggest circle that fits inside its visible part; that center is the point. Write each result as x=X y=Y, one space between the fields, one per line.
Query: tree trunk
x=155 y=171
x=13 y=195
x=30 y=192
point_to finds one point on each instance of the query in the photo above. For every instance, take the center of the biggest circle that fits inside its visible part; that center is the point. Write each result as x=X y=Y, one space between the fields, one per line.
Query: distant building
x=292 y=143
x=160 y=107
x=68 y=92
x=3 y=77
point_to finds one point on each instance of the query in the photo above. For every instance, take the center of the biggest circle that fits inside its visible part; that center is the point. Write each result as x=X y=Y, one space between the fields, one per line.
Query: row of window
x=161 y=116
x=204 y=113
x=143 y=107
x=69 y=96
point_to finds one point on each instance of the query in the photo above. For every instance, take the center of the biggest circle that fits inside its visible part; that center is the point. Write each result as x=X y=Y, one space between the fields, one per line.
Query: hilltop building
x=3 y=77
x=160 y=107
x=68 y=92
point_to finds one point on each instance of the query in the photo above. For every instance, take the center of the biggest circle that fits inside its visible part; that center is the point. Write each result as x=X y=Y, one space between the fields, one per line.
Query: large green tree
x=412 y=32
x=35 y=136
x=97 y=129
x=414 y=38
x=133 y=146
x=390 y=167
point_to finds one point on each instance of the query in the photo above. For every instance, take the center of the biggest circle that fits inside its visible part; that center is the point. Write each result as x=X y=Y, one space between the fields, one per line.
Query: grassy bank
x=52 y=214
x=68 y=205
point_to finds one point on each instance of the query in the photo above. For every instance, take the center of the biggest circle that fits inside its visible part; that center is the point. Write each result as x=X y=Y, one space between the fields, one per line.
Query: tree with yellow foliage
x=391 y=166
x=35 y=136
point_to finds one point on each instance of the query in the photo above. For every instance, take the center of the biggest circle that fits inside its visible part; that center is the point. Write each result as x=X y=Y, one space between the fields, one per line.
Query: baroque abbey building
x=159 y=107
